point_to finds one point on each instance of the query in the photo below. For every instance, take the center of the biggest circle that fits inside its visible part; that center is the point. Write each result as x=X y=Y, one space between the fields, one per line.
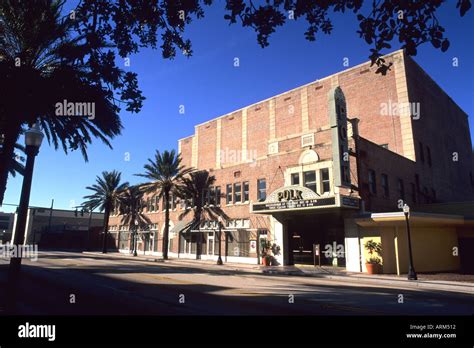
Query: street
x=84 y=284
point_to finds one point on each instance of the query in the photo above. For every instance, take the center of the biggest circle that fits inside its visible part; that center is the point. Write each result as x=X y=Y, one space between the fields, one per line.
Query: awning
x=183 y=226
x=416 y=219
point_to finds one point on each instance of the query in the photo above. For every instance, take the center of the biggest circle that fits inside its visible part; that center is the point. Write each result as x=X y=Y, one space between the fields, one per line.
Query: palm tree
x=41 y=64
x=130 y=205
x=165 y=173
x=197 y=188
x=17 y=166
x=106 y=196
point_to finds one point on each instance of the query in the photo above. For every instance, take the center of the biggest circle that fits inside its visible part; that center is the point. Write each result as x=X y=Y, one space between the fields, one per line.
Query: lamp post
x=135 y=239
x=219 y=222
x=411 y=269
x=33 y=139
x=89 y=229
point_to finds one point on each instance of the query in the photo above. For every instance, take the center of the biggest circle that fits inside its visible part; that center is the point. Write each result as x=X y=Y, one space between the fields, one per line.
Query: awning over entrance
x=416 y=219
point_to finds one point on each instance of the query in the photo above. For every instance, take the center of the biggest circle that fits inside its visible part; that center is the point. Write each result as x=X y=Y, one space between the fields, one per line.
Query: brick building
x=316 y=164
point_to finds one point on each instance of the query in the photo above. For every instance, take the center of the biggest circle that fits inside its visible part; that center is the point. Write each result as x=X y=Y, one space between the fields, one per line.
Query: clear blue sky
x=209 y=85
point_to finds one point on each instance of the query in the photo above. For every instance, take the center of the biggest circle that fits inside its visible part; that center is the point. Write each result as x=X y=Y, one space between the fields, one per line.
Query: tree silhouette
x=412 y=22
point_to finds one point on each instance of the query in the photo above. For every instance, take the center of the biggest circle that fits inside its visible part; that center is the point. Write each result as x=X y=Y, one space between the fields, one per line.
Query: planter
x=373 y=268
x=266 y=261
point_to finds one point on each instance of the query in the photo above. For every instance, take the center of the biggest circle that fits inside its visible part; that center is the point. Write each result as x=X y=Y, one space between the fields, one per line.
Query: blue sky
x=208 y=85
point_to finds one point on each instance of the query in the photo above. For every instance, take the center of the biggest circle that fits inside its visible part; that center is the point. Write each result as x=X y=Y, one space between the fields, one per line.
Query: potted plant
x=374 y=263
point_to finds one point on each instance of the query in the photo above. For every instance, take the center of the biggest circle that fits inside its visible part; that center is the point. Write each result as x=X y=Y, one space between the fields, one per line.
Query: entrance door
x=301 y=249
x=210 y=243
x=150 y=241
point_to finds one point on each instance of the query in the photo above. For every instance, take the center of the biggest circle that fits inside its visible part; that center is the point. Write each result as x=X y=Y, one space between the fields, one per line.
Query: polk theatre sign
x=296 y=198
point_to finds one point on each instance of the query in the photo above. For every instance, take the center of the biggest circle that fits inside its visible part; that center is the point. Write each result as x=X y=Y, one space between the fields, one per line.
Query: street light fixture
x=135 y=239
x=411 y=269
x=33 y=140
x=219 y=259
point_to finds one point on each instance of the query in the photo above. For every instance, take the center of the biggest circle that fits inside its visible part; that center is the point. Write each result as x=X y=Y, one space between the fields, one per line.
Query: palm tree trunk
x=167 y=225
x=106 y=228
x=199 y=236
x=11 y=135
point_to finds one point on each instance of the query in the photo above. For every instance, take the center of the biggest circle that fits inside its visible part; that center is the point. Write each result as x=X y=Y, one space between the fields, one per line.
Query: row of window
x=414 y=188
x=309 y=180
x=239 y=192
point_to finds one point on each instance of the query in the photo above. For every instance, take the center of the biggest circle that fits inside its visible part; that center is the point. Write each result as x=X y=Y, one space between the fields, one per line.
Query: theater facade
x=323 y=168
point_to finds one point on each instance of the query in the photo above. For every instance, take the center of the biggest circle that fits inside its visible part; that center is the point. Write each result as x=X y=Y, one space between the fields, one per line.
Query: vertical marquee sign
x=340 y=147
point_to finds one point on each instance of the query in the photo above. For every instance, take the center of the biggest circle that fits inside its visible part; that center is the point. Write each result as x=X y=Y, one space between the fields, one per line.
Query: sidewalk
x=333 y=273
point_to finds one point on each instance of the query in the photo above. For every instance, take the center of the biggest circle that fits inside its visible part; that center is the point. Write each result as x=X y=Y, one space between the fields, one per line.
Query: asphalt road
x=74 y=283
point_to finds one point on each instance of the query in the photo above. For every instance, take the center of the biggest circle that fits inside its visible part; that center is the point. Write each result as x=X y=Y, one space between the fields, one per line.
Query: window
x=246 y=191
x=326 y=187
x=401 y=189
x=218 y=195
x=261 y=190
x=228 y=194
x=384 y=182
x=309 y=180
x=425 y=193
x=422 y=153
x=237 y=192
x=211 y=196
x=372 y=182
x=413 y=193
x=428 y=155
x=433 y=194
x=295 y=179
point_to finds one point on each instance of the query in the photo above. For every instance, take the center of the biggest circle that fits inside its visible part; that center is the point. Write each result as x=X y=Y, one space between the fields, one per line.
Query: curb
x=413 y=284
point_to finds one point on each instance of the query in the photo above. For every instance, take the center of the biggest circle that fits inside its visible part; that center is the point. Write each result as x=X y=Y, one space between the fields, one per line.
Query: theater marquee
x=299 y=197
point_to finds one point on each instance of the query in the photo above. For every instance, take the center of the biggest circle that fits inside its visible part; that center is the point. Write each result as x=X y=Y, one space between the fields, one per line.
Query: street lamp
x=219 y=222
x=411 y=269
x=135 y=239
x=33 y=139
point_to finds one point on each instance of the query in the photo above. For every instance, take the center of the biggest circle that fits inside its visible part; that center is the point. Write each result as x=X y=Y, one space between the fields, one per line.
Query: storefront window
x=238 y=243
x=309 y=178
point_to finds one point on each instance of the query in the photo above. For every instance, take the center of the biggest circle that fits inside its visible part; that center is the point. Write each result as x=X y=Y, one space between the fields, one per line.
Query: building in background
x=62 y=229
x=6 y=226
x=331 y=164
